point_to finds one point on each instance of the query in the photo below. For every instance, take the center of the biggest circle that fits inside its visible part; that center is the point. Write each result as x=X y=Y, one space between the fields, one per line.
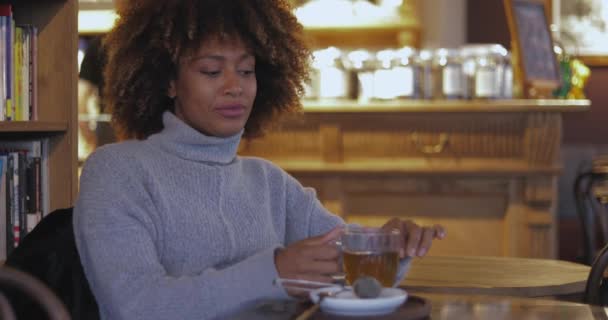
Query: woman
x=172 y=224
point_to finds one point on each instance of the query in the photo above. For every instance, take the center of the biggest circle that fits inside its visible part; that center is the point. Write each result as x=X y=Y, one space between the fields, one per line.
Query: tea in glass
x=380 y=265
x=371 y=252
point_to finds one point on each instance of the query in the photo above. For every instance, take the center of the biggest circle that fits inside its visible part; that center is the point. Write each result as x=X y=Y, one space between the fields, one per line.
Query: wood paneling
x=487 y=23
x=590 y=127
x=488 y=177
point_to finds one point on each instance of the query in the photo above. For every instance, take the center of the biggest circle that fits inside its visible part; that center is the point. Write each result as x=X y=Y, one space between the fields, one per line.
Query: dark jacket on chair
x=49 y=254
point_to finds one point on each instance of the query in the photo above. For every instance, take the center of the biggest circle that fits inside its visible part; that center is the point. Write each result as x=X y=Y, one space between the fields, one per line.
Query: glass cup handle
x=339 y=277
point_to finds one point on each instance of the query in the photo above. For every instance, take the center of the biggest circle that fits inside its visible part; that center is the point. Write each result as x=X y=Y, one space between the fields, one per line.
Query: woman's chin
x=227 y=131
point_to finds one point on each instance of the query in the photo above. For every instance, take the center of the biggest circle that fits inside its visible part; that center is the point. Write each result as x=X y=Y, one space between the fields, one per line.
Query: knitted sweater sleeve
x=306 y=215
x=115 y=236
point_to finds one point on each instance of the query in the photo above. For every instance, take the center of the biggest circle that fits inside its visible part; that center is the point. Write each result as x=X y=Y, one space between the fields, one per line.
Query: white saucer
x=346 y=303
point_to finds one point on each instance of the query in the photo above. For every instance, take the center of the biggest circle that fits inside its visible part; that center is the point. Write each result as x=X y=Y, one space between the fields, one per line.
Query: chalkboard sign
x=532 y=45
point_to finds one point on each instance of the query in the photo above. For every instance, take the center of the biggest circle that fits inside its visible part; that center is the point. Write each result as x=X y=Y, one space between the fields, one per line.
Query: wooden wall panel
x=493 y=184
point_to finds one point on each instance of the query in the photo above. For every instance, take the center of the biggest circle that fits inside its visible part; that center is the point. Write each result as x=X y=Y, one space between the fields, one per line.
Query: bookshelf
x=57 y=25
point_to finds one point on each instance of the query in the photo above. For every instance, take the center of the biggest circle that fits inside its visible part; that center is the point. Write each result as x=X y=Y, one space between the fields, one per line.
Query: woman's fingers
x=314 y=259
x=413 y=236
x=425 y=243
x=417 y=240
x=328 y=237
x=325 y=252
x=439 y=231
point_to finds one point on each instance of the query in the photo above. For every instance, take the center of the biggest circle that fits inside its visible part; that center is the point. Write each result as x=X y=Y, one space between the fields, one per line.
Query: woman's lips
x=231 y=111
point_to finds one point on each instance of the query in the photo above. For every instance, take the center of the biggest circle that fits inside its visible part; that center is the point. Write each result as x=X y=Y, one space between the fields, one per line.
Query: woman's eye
x=247 y=72
x=211 y=73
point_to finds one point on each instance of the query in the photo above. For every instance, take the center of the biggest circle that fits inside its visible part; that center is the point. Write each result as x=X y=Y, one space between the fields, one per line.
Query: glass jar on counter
x=425 y=63
x=398 y=74
x=448 y=74
x=332 y=81
x=407 y=73
x=469 y=62
x=504 y=72
x=486 y=77
x=385 y=87
x=361 y=65
x=508 y=78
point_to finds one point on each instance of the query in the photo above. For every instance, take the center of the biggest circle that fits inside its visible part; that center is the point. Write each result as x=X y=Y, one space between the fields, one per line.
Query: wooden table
x=448 y=307
x=507 y=308
x=521 y=277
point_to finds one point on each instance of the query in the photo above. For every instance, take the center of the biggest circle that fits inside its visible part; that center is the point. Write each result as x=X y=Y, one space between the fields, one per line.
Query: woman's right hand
x=313 y=259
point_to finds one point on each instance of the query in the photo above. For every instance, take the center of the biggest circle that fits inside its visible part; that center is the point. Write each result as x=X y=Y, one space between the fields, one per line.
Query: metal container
x=448 y=74
x=508 y=78
x=361 y=65
x=486 y=75
x=425 y=63
x=504 y=71
x=468 y=58
x=330 y=79
x=407 y=72
x=385 y=87
x=488 y=70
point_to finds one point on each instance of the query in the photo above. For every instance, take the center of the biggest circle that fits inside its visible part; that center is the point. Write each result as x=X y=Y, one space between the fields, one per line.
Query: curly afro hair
x=150 y=36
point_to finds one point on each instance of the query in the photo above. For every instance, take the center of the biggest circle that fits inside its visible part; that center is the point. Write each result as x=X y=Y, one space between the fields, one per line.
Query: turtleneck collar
x=187 y=143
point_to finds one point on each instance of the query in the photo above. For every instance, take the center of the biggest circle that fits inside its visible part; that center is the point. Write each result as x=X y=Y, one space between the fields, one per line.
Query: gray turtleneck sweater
x=179 y=227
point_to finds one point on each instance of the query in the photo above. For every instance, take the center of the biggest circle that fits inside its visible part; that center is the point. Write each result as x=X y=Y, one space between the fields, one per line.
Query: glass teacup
x=373 y=252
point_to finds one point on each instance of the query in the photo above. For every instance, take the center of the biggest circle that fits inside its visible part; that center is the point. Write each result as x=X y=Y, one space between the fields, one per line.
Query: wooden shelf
x=57 y=79
x=33 y=126
x=98 y=19
x=365 y=35
x=455 y=106
x=410 y=167
x=90 y=6
x=393 y=27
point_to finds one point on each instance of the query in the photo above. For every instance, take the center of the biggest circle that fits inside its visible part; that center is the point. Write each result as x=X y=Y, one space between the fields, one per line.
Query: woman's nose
x=232 y=85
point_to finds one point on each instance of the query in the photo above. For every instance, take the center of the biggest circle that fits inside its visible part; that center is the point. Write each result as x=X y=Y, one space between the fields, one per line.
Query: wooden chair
x=596 y=291
x=591 y=196
x=12 y=280
x=49 y=254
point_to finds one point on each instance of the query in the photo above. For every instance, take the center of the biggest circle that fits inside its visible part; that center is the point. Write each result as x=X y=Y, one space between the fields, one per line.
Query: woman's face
x=215 y=87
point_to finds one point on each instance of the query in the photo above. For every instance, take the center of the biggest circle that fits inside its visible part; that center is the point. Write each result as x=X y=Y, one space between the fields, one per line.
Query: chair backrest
x=596 y=290
x=49 y=254
x=590 y=196
x=14 y=280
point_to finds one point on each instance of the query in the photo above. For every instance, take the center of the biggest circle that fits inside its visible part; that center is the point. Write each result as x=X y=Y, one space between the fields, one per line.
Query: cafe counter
x=486 y=170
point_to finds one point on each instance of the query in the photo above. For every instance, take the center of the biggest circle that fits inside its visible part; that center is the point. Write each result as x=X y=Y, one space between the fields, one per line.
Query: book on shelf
x=25 y=198
x=3 y=67
x=33 y=73
x=5 y=236
x=6 y=12
x=18 y=68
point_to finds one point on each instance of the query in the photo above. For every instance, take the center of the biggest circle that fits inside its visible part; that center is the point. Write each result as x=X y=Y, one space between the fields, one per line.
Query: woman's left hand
x=417 y=240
